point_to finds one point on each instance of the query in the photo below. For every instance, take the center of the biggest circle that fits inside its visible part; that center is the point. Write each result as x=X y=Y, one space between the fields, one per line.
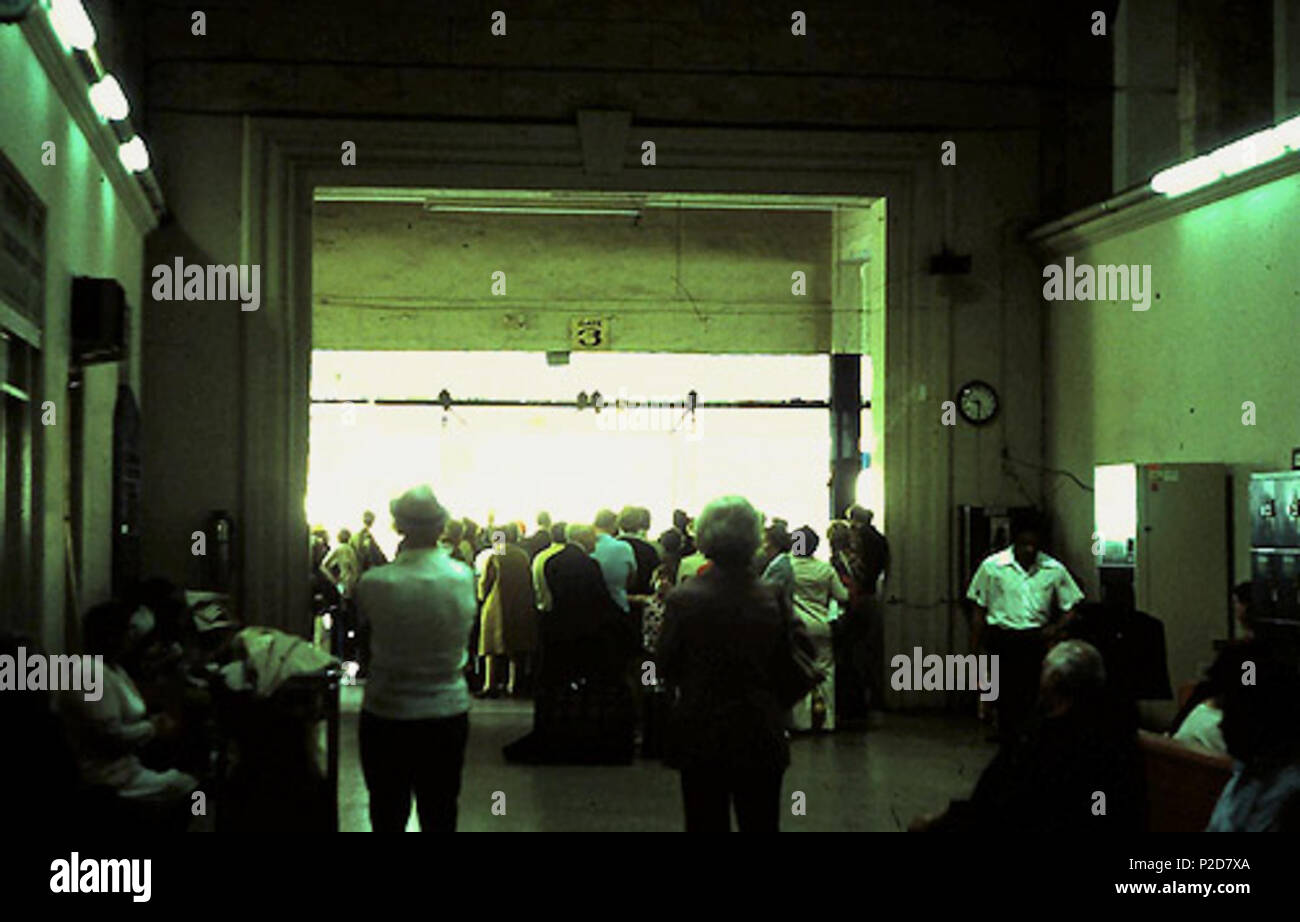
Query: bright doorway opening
x=507 y=434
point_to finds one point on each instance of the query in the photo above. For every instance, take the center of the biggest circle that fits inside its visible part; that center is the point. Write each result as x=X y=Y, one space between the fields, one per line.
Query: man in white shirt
x=1014 y=590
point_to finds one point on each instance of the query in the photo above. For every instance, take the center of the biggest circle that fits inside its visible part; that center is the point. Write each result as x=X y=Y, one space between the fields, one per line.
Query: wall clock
x=977 y=402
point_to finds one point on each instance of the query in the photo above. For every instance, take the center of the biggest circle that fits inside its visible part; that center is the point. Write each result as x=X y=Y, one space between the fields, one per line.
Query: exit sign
x=587 y=333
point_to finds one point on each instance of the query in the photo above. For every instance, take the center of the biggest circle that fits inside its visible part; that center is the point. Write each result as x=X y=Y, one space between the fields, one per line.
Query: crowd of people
x=713 y=646
x=583 y=618
x=725 y=637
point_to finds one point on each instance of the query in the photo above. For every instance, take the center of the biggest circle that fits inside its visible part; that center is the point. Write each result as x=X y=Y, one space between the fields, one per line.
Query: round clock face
x=977 y=402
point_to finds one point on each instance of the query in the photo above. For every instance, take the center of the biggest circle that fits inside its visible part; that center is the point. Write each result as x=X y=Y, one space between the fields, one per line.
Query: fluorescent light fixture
x=1240 y=156
x=109 y=100
x=1229 y=160
x=134 y=155
x=72 y=25
x=1178 y=180
x=569 y=200
x=525 y=209
x=1289 y=133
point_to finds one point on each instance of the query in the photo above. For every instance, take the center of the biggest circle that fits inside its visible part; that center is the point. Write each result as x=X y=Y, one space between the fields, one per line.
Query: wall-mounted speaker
x=98 y=321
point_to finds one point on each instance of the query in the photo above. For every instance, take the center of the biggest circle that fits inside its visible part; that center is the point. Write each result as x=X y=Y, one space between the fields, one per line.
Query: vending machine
x=1275 y=558
x=1168 y=529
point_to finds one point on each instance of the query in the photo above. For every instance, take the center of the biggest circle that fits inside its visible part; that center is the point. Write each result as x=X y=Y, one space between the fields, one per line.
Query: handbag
x=795 y=672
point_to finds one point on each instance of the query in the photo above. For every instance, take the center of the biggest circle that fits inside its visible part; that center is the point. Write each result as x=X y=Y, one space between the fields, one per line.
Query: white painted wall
x=394 y=276
x=1168 y=384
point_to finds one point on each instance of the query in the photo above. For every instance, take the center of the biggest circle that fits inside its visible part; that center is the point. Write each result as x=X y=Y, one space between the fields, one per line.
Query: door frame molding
x=285 y=160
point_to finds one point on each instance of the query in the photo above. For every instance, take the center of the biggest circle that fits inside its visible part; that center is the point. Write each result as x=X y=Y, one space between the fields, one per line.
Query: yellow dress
x=509 y=619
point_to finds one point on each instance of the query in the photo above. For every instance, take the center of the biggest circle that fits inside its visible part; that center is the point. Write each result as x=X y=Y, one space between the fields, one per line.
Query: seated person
x=109 y=733
x=158 y=656
x=1261 y=727
x=1198 y=723
x=1049 y=780
x=1202 y=727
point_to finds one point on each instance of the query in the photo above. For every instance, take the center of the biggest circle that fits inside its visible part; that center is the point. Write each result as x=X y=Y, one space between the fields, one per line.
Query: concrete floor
x=871 y=781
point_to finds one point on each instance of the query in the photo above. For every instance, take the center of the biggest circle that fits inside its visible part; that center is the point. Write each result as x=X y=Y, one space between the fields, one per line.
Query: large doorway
x=451 y=347
x=507 y=434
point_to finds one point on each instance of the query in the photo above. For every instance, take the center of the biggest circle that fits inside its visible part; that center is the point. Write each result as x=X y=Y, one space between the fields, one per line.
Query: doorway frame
x=286 y=160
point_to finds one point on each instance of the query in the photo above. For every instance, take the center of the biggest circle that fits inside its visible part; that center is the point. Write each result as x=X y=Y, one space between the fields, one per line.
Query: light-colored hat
x=418 y=506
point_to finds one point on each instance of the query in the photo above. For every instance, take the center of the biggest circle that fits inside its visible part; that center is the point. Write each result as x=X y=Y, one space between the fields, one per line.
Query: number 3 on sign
x=589 y=333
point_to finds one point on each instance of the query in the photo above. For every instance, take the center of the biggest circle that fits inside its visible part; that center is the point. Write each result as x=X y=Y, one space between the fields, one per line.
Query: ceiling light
x=1185 y=177
x=1240 y=156
x=1289 y=133
x=1229 y=160
x=72 y=25
x=109 y=100
x=529 y=210
x=134 y=155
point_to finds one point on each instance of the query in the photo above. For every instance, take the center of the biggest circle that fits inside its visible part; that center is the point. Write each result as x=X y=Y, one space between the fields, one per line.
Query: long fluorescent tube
x=1181 y=179
x=109 y=100
x=1240 y=156
x=640 y=201
x=524 y=209
x=72 y=25
x=1289 y=133
x=134 y=155
x=1229 y=160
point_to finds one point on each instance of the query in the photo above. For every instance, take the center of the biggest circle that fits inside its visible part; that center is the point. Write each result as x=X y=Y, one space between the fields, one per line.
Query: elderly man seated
x=1074 y=769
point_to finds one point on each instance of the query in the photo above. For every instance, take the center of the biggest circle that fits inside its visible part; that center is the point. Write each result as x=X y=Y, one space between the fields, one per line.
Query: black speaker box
x=98 y=321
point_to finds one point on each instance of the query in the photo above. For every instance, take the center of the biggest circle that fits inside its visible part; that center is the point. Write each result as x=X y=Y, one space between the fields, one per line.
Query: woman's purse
x=795 y=671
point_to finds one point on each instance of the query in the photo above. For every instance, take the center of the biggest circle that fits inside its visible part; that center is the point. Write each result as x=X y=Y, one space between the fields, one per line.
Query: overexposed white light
x=134 y=155
x=109 y=100
x=1288 y=133
x=1240 y=156
x=500 y=375
x=1229 y=160
x=512 y=462
x=1178 y=180
x=72 y=25
x=862 y=490
x=1115 y=502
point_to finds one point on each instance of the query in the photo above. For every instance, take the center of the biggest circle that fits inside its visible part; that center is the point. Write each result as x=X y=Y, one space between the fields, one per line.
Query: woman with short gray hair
x=415 y=716
x=729 y=531
x=723 y=638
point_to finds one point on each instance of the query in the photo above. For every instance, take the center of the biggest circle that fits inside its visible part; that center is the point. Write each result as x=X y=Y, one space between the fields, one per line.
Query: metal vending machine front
x=1275 y=558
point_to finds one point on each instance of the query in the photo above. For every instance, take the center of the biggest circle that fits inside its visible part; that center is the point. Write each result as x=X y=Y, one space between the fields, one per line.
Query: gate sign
x=589 y=333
